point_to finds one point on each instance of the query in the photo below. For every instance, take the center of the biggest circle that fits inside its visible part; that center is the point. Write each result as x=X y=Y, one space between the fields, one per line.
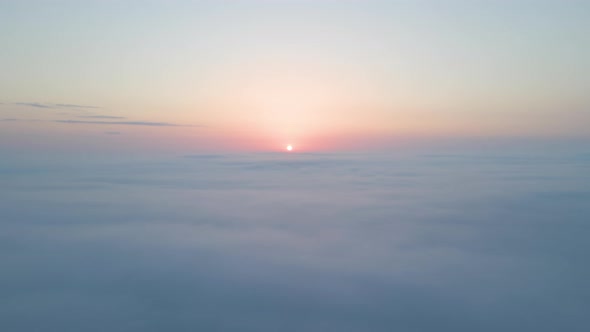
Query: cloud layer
x=272 y=242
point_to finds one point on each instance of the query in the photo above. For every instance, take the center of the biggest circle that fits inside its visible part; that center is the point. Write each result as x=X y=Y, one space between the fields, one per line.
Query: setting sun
x=289 y=148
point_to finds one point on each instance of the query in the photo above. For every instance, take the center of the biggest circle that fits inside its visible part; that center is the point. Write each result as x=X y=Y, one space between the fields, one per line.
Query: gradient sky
x=261 y=74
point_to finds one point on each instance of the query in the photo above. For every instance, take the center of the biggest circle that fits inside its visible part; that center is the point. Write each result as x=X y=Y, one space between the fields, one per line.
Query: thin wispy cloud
x=101 y=117
x=53 y=106
x=112 y=133
x=75 y=106
x=20 y=120
x=124 y=123
x=37 y=105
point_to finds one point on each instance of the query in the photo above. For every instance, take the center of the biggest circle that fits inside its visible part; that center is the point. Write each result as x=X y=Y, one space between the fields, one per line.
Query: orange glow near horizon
x=267 y=106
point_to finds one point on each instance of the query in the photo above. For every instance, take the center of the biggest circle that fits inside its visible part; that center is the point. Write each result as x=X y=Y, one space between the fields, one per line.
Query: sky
x=439 y=178
x=257 y=75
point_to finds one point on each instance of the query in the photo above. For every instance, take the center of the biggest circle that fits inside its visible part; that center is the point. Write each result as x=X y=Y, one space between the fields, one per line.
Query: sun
x=289 y=148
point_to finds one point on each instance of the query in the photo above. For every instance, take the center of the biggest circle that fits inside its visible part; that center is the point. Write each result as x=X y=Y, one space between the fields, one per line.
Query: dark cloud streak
x=38 y=105
x=101 y=117
x=123 y=123
x=53 y=106
x=75 y=106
